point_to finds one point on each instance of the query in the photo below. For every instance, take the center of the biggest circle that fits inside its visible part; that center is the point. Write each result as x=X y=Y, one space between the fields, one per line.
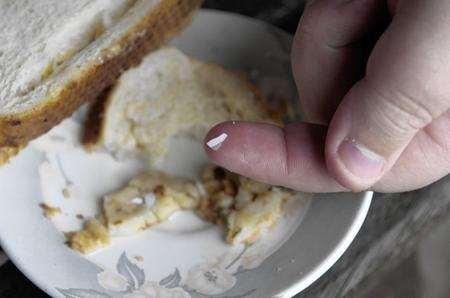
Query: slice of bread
x=56 y=55
x=169 y=94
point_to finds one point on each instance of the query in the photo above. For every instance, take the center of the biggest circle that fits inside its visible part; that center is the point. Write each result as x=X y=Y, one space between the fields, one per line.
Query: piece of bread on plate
x=57 y=55
x=169 y=94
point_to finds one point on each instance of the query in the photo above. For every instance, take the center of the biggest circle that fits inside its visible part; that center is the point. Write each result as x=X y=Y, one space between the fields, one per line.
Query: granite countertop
x=394 y=224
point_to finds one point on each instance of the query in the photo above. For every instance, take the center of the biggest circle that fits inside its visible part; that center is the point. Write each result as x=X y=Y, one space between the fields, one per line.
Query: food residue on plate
x=139 y=258
x=66 y=193
x=148 y=199
x=243 y=207
x=50 y=211
x=93 y=237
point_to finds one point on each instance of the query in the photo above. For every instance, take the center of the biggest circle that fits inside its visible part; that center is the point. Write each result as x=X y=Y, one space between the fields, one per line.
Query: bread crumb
x=93 y=237
x=245 y=207
x=66 y=193
x=139 y=258
x=50 y=211
x=80 y=216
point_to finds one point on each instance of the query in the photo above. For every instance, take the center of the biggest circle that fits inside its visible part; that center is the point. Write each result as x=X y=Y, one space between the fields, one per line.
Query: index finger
x=291 y=156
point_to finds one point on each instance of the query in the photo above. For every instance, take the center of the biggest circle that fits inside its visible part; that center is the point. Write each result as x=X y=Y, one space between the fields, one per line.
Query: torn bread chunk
x=245 y=207
x=183 y=191
x=169 y=94
x=126 y=212
x=245 y=224
x=94 y=236
x=147 y=200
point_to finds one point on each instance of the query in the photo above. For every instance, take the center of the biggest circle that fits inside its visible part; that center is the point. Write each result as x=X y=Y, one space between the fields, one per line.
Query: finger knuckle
x=403 y=112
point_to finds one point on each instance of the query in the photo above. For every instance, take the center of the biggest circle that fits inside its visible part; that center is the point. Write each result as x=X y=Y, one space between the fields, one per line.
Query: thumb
x=370 y=130
x=405 y=88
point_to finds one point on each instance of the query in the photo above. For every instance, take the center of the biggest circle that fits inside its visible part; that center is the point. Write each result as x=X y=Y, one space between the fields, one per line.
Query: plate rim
x=337 y=252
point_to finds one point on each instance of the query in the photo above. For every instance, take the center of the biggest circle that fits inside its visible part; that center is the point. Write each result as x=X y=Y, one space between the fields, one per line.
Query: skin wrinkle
x=251 y=157
x=294 y=165
x=412 y=179
x=427 y=157
x=398 y=107
x=286 y=165
x=443 y=146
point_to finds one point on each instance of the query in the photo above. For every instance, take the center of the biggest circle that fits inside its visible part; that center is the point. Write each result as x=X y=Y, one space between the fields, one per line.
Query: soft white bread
x=56 y=55
x=169 y=94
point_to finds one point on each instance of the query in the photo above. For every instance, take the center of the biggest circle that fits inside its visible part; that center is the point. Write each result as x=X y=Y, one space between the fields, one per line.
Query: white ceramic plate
x=184 y=257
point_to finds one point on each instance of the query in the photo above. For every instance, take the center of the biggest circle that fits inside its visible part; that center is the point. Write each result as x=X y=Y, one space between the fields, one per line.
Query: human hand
x=382 y=109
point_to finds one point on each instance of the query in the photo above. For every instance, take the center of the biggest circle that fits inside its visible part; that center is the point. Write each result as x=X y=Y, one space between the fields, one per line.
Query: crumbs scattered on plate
x=243 y=207
x=139 y=258
x=66 y=193
x=50 y=211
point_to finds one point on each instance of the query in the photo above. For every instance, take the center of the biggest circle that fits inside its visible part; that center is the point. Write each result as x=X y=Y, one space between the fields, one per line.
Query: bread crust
x=94 y=124
x=7 y=152
x=163 y=21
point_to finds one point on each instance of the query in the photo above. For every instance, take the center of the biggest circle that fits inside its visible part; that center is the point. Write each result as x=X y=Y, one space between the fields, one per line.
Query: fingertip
x=217 y=139
x=243 y=146
x=214 y=138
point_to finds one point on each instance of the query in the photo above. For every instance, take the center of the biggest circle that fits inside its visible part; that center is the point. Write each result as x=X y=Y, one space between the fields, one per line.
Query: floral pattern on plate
x=210 y=279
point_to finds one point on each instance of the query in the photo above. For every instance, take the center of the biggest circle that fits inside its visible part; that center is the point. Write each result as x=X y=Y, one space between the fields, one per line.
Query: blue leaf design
x=171 y=281
x=175 y=281
x=166 y=280
x=82 y=293
x=134 y=275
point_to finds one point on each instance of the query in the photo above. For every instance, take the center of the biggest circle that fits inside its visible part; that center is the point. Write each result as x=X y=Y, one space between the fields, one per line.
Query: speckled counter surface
x=393 y=227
